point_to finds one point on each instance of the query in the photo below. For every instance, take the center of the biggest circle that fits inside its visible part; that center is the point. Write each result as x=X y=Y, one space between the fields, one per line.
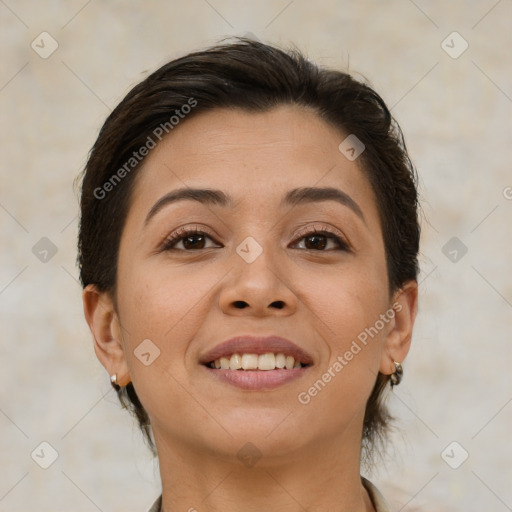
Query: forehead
x=254 y=156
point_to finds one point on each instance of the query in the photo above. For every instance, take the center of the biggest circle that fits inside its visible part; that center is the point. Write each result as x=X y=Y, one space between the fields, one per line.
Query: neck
x=325 y=476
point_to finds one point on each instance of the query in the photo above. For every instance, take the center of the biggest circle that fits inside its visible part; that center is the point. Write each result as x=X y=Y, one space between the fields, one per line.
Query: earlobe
x=398 y=339
x=104 y=325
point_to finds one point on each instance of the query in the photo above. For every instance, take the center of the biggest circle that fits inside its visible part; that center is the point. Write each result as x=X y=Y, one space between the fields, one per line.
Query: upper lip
x=248 y=344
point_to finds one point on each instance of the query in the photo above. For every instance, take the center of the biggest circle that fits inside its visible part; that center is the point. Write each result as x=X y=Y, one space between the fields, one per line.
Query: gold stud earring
x=397 y=375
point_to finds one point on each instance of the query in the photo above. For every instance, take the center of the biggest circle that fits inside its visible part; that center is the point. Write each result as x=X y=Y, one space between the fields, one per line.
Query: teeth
x=280 y=361
x=235 y=363
x=268 y=361
x=249 y=362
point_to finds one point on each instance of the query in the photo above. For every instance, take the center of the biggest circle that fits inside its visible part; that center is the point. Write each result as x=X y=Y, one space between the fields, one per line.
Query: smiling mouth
x=263 y=362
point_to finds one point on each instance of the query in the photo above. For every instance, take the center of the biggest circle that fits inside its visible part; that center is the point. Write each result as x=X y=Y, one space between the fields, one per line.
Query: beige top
x=378 y=500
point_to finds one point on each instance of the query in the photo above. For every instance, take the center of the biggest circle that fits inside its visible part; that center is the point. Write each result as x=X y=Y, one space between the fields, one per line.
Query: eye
x=191 y=238
x=318 y=239
x=194 y=239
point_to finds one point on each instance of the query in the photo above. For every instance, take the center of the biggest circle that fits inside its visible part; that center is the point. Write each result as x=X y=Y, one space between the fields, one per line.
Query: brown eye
x=318 y=240
x=192 y=239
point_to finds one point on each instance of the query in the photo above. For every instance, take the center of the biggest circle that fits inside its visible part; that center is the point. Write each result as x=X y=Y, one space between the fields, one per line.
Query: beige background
x=457 y=117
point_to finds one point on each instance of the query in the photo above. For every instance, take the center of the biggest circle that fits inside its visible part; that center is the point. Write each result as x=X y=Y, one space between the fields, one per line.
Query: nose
x=259 y=288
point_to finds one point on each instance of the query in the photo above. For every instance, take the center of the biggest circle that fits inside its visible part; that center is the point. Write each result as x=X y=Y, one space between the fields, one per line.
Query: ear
x=398 y=338
x=105 y=328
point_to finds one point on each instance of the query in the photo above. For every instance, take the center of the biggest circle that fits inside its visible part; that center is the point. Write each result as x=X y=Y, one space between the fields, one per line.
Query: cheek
x=345 y=310
x=347 y=313
x=160 y=303
x=345 y=299
x=167 y=306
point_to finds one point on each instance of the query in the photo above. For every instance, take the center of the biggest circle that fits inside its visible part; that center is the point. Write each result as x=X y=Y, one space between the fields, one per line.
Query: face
x=192 y=274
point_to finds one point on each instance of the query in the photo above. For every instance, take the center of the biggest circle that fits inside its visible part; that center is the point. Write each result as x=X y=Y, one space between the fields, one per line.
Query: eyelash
x=183 y=233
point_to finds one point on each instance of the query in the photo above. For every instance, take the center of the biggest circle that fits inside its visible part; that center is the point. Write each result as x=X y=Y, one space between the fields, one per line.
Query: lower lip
x=257 y=379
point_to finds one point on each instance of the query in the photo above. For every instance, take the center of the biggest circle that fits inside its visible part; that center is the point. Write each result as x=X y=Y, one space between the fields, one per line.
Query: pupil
x=316 y=244
x=189 y=238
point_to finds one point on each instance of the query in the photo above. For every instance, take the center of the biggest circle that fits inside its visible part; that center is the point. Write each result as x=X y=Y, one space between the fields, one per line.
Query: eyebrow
x=296 y=196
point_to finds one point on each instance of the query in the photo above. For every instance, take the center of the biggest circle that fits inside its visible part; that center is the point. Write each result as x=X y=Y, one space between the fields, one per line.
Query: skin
x=186 y=303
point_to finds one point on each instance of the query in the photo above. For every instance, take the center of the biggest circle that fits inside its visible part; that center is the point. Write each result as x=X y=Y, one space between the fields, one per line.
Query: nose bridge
x=257 y=261
x=256 y=243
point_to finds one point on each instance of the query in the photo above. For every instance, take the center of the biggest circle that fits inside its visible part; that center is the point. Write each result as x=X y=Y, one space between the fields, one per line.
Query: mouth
x=256 y=363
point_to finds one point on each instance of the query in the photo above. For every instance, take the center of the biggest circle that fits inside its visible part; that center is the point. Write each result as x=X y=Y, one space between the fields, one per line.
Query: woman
x=248 y=251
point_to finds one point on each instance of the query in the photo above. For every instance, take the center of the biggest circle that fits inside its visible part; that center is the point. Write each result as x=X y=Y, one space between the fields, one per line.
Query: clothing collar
x=378 y=501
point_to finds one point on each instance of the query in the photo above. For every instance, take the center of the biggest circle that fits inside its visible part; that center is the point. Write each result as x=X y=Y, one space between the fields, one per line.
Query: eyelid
x=319 y=228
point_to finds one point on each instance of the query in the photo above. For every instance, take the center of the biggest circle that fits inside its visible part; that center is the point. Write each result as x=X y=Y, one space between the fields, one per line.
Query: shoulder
x=380 y=504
